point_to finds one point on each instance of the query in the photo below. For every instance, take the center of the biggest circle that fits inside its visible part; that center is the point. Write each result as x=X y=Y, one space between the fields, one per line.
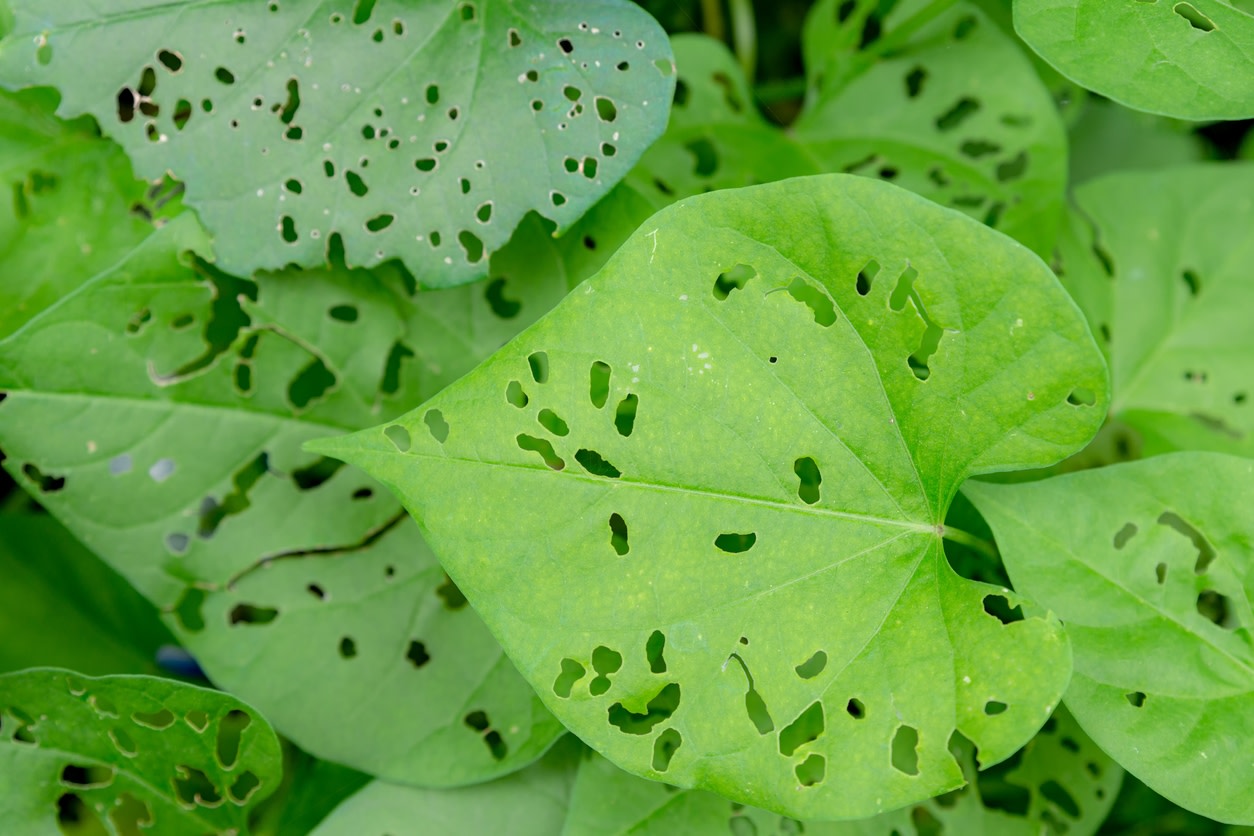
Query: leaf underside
x=419 y=131
x=699 y=502
x=1191 y=60
x=1150 y=566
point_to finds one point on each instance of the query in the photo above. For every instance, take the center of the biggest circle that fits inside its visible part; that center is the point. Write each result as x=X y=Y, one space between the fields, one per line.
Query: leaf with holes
x=1150 y=566
x=1161 y=264
x=1059 y=783
x=59 y=605
x=700 y=502
x=136 y=751
x=528 y=803
x=1192 y=59
x=158 y=410
x=421 y=131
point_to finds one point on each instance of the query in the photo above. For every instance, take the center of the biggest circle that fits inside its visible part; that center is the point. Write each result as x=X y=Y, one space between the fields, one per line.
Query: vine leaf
x=423 y=132
x=138 y=751
x=699 y=502
x=1150 y=565
x=1191 y=60
x=1059 y=783
x=1170 y=304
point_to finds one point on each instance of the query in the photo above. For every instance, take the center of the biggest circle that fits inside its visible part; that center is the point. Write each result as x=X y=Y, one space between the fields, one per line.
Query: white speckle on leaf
x=161 y=470
x=91 y=447
x=683 y=297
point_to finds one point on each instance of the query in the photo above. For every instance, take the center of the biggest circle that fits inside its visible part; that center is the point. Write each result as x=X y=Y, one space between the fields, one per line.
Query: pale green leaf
x=699 y=502
x=129 y=752
x=1161 y=263
x=1150 y=566
x=423 y=131
x=1190 y=60
x=1059 y=783
x=1108 y=137
x=528 y=803
x=59 y=605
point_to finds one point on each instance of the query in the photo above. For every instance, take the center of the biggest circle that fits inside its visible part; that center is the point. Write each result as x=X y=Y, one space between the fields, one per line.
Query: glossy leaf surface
x=136 y=751
x=422 y=131
x=1150 y=566
x=699 y=502
x=1191 y=60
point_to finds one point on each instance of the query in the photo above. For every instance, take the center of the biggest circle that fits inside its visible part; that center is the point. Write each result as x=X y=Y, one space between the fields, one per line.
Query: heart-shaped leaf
x=138 y=751
x=1161 y=264
x=1192 y=59
x=700 y=503
x=1150 y=566
x=423 y=131
x=1059 y=783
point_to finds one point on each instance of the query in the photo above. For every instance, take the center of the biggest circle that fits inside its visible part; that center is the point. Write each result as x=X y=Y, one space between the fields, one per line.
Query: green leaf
x=311 y=789
x=1059 y=783
x=420 y=131
x=1150 y=566
x=528 y=803
x=699 y=502
x=158 y=410
x=1108 y=137
x=133 y=750
x=1190 y=60
x=59 y=605
x=1160 y=263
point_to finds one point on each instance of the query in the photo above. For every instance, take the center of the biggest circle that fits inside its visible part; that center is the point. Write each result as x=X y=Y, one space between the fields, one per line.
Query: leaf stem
x=745 y=37
x=969 y=540
x=712 y=19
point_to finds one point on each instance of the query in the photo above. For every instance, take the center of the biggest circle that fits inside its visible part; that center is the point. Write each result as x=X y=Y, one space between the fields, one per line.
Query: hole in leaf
x=553 y=423
x=357 y=186
x=819 y=303
x=515 y=395
x=123 y=742
x=1123 y=535
x=230 y=731
x=571 y=673
x=45 y=482
x=317 y=591
x=544 y=448
x=539 y=364
x=434 y=419
x=733 y=279
x=193 y=787
x=380 y=222
x=159 y=720
x=599 y=383
x=188 y=611
x=994 y=707
x=625 y=415
x=1213 y=606
x=1056 y=793
x=87 y=777
x=705 y=157
x=472 y=245
x=343 y=313
x=170 y=60
x=653 y=650
x=311 y=384
x=999 y=607
x=450 y=595
x=961 y=110
x=664 y=748
x=592 y=462
x=812 y=770
x=252 y=614
x=866 y=276
x=813 y=666
x=805 y=729
x=618 y=538
x=417 y=654
x=348 y=648
x=660 y=708
x=245 y=785
x=977 y=148
x=496 y=745
x=914 y=82
x=501 y=306
x=1136 y=699
x=1082 y=397
x=809 y=479
x=1013 y=169
x=313 y=475
x=224 y=75
x=605 y=662
x=734 y=543
x=1196 y=19
x=399 y=436
x=905 y=750
x=606 y=111
x=926 y=824
x=1160 y=571
x=1205 y=551
x=362 y=11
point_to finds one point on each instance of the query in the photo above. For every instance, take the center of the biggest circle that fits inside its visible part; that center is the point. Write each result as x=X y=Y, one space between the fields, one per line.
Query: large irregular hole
x=905 y=750
x=571 y=673
x=252 y=614
x=1014 y=168
x=664 y=748
x=311 y=384
x=541 y=446
x=46 y=483
x=605 y=661
x=998 y=606
x=812 y=770
x=618 y=535
x=734 y=543
x=1205 y=551
x=158 y=720
x=515 y=395
x=452 y=597
x=704 y=155
x=1136 y=699
x=214 y=513
x=594 y=463
x=501 y=306
x=362 y=11
x=659 y=709
x=230 y=731
x=1196 y=19
x=434 y=419
x=805 y=729
x=193 y=787
x=87 y=777
x=914 y=82
x=399 y=436
x=734 y=279
x=625 y=415
x=809 y=479
x=819 y=303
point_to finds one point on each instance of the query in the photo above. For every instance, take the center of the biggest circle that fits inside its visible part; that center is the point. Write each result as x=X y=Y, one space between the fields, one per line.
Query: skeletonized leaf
x=422 y=131
x=1060 y=783
x=1191 y=60
x=136 y=751
x=1161 y=263
x=700 y=502
x=1150 y=566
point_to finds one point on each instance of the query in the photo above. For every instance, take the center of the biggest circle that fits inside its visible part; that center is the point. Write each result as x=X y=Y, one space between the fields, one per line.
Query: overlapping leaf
x=420 y=131
x=135 y=751
x=1191 y=60
x=699 y=503
x=1150 y=566
x=1161 y=262
x=158 y=409
x=1060 y=783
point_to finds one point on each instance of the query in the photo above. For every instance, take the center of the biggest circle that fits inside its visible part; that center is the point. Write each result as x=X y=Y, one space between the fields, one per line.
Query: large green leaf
x=1191 y=60
x=1161 y=262
x=129 y=752
x=158 y=409
x=59 y=605
x=700 y=502
x=1108 y=137
x=1150 y=566
x=1060 y=783
x=528 y=803
x=423 y=131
